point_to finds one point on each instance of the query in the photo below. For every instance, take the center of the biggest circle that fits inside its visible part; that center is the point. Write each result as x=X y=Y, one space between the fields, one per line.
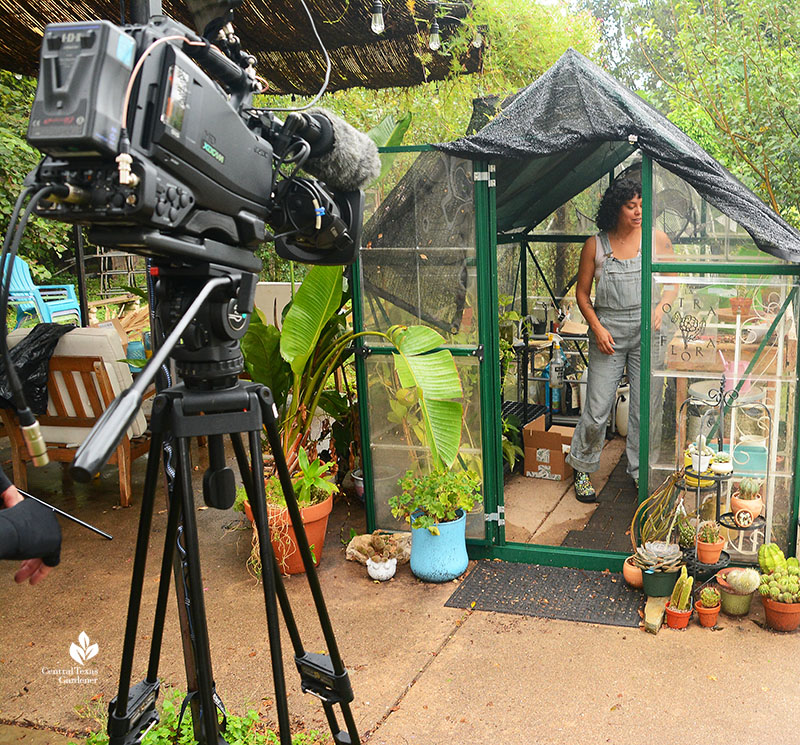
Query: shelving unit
x=722 y=403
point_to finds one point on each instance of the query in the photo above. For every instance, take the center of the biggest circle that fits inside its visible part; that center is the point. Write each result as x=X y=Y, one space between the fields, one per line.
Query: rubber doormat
x=549 y=592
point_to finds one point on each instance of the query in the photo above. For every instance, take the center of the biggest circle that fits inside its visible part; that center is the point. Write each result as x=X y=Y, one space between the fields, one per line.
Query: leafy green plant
x=312 y=478
x=241 y=730
x=511 y=449
x=435 y=497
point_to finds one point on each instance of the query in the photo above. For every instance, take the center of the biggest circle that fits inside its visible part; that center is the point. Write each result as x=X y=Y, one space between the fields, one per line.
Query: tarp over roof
x=573 y=125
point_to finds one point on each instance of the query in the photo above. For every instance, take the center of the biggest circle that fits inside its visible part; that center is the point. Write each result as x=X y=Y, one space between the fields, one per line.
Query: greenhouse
x=479 y=239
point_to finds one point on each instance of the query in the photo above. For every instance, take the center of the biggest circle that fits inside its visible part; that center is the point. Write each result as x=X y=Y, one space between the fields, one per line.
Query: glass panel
x=397 y=439
x=418 y=254
x=705 y=334
x=698 y=231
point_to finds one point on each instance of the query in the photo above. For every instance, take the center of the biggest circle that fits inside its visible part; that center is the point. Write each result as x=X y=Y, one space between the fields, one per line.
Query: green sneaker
x=584 y=491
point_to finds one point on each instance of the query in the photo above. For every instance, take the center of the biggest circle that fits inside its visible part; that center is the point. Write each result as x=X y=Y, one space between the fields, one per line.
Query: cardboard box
x=534 y=435
x=543 y=463
x=546 y=450
x=117 y=326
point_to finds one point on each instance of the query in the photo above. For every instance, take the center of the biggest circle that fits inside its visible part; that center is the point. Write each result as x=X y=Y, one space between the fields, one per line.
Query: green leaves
x=317 y=299
x=262 y=359
x=435 y=376
x=311 y=478
x=435 y=497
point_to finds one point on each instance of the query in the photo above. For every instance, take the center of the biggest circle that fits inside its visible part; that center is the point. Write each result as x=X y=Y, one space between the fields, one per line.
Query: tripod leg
x=120 y=721
x=197 y=612
x=252 y=476
x=323 y=676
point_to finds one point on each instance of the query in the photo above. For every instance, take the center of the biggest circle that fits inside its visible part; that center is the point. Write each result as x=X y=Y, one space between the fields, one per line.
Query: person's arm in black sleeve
x=28 y=531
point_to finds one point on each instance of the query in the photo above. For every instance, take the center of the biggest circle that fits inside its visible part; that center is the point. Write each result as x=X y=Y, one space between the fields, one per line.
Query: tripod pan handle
x=106 y=434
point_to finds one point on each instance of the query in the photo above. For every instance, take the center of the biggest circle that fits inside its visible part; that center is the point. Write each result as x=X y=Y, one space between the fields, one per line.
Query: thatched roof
x=279 y=34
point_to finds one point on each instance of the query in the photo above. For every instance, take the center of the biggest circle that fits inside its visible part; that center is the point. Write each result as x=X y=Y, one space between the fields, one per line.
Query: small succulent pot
x=658 y=584
x=707 y=616
x=701 y=463
x=753 y=506
x=632 y=574
x=709 y=553
x=678 y=619
x=381 y=570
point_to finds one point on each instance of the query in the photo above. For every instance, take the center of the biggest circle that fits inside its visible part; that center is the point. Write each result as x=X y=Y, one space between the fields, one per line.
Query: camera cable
x=34 y=442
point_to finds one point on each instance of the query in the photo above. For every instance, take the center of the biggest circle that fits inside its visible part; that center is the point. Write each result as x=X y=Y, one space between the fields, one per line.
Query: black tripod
x=200 y=308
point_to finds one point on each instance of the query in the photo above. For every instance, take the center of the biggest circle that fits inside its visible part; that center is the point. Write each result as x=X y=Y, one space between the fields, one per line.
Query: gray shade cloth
x=573 y=125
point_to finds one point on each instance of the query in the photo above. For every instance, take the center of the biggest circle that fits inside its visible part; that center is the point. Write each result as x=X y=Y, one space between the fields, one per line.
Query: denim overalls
x=618 y=305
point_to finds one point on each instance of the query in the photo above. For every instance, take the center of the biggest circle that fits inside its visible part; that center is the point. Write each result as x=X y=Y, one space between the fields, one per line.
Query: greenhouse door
x=419 y=266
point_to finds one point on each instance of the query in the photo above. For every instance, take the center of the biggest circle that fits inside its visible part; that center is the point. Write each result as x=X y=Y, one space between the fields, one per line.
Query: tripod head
x=201 y=315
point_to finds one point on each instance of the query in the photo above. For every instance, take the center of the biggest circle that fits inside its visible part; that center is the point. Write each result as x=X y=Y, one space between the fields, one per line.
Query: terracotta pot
x=743 y=305
x=753 y=506
x=707 y=616
x=781 y=616
x=708 y=553
x=632 y=573
x=284 y=541
x=678 y=619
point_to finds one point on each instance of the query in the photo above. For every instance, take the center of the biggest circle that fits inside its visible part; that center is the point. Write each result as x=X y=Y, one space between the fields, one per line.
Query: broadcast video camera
x=151 y=139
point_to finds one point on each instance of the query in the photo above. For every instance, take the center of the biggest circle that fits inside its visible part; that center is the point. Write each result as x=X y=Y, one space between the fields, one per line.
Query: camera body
x=204 y=176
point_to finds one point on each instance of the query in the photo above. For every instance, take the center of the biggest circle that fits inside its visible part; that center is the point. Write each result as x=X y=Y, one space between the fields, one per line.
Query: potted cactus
x=708 y=606
x=736 y=588
x=679 y=607
x=381 y=561
x=780 y=595
x=709 y=542
x=748 y=498
x=700 y=456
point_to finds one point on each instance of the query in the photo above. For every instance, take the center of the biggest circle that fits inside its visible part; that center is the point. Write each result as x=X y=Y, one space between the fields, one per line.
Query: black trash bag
x=31 y=358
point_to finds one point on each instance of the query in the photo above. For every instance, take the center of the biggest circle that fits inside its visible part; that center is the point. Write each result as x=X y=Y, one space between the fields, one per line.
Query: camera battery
x=84 y=70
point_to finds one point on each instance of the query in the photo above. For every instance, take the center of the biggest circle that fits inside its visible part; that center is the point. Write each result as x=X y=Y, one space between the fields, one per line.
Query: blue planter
x=443 y=557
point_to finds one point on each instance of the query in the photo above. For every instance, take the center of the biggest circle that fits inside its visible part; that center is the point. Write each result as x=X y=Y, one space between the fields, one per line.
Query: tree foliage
x=737 y=64
x=523 y=40
x=44 y=241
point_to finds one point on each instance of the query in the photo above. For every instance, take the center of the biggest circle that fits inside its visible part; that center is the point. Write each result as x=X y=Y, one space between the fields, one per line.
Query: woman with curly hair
x=612 y=259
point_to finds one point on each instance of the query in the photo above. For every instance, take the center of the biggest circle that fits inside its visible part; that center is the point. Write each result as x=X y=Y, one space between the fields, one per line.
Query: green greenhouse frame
x=490 y=542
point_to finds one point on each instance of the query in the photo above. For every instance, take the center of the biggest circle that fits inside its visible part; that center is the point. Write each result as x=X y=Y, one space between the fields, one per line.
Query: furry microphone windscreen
x=353 y=161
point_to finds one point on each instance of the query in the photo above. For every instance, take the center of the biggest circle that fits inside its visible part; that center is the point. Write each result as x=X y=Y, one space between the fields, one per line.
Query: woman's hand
x=605 y=342
x=658 y=314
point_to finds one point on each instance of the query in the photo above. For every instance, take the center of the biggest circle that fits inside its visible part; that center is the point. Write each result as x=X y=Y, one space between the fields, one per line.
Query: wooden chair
x=79 y=390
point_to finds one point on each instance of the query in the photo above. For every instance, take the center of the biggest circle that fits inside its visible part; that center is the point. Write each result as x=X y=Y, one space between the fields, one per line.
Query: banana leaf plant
x=298 y=361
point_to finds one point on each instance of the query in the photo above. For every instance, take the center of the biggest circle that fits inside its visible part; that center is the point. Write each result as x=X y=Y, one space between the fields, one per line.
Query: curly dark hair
x=621 y=191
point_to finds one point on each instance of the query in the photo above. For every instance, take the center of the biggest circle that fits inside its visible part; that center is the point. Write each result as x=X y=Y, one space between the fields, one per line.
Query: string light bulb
x=377 y=24
x=478 y=39
x=435 y=40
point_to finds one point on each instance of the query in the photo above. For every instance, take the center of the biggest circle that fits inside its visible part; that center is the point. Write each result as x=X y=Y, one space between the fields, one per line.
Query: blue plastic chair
x=51 y=303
